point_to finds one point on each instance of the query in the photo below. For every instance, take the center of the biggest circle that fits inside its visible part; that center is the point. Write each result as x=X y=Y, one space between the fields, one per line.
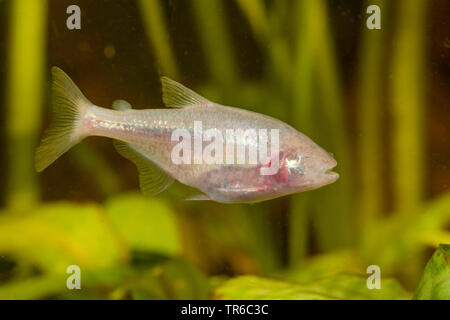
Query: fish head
x=306 y=166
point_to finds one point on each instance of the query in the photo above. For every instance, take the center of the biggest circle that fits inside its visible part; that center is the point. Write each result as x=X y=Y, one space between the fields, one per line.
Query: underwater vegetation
x=377 y=99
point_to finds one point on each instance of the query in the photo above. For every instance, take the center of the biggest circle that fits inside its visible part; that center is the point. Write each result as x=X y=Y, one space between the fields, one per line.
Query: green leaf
x=344 y=286
x=435 y=280
x=94 y=284
x=256 y=288
x=325 y=265
x=146 y=224
x=57 y=235
x=34 y=288
x=173 y=279
x=352 y=286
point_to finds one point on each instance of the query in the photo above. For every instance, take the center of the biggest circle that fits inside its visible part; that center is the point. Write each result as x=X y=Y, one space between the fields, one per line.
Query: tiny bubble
x=109 y=51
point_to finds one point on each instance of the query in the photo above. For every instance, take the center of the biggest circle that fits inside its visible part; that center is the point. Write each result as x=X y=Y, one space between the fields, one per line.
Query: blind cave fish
x=230 y=155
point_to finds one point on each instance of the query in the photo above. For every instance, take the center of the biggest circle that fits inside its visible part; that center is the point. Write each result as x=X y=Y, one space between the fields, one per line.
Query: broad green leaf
x=435 y=280
x=344 y=286
x=34 y=288
x=146 y=224
x=325 y=265
x=94 y=284
x=173 y=279
x=256 y=288
x=352 y=286
x=57 y=235
x=343 y=276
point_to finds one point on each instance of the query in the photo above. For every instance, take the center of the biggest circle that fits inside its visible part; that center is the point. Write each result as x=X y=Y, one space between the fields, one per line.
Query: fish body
x=147 y=138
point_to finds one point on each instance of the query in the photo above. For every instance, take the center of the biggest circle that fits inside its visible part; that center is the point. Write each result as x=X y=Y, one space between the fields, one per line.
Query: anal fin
x=152 y=179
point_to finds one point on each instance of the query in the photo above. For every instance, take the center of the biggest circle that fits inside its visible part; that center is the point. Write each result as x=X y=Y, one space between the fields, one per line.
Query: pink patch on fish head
x=309 y=166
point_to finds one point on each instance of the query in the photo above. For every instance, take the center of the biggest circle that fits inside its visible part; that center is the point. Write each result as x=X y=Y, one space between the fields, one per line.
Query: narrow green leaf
x=158 y=34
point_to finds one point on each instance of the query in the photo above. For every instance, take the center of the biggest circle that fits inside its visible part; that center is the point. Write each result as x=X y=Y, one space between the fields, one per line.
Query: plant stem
x=24 y=97
x=407 y=105
x=302 y=115
x=334 y=216
x=159 y=36
x=369 y=108
x=216 y=43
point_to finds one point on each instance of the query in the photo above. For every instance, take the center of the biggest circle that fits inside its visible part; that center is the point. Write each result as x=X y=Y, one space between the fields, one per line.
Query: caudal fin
x=69 y=105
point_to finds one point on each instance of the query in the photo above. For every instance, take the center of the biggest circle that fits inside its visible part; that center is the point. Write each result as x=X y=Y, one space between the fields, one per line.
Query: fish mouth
x=330 y=175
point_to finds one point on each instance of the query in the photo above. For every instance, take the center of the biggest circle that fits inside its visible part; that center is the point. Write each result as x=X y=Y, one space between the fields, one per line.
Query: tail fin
x=69 y=105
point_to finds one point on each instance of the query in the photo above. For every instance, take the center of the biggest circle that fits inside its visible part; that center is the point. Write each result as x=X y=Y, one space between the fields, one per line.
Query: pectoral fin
x=152 y=179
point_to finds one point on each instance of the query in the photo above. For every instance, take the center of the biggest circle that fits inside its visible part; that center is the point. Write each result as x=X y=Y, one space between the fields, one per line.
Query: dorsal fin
x=152 y=179
x=175 y=95
x=121 y=105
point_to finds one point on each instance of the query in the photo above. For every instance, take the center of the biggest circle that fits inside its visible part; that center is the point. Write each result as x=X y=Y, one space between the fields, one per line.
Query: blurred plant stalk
x=302 y=112
x=25 y=81
x=217 y=45
x=334 y=216
x=408 y=90
x=369 y=110
x=156 y=28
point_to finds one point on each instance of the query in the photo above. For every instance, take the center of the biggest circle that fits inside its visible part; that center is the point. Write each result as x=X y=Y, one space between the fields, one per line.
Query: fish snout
x=327 y=174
